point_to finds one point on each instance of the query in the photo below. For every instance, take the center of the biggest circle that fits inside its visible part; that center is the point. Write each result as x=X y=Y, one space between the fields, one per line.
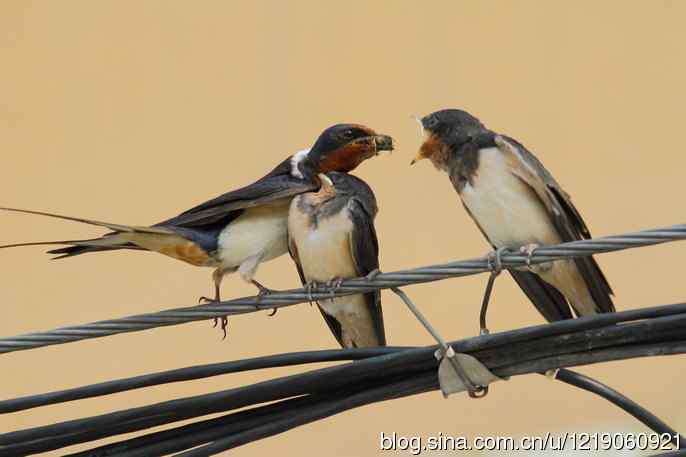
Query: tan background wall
x=131 y=111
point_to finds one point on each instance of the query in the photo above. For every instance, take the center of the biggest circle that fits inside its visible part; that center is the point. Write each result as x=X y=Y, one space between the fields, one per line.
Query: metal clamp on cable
x=456 y=372
x=450 y=374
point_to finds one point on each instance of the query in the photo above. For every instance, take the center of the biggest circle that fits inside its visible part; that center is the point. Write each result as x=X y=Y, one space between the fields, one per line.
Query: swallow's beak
x=326 y=181
x=383 y=143
x=420 y=156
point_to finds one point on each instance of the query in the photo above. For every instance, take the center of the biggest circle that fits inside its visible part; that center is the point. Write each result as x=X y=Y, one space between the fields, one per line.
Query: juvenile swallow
x=517 y=204
x=332 y=237
x=240 y=229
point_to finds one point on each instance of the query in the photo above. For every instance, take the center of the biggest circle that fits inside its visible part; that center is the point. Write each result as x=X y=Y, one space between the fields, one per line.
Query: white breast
x=259 y=232
x=324 y=251
x=504 y=206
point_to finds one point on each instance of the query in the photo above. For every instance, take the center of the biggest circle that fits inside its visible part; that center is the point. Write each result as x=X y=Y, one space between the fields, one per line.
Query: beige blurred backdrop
x=131 y=111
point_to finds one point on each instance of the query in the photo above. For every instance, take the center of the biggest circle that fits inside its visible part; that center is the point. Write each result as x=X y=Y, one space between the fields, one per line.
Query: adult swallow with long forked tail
x=240 y=229
x=331 y=237
x=517 y=204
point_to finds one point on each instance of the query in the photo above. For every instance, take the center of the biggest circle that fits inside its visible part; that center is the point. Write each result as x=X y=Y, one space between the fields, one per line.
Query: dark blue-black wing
x=564 y=215
x=364 y=246
x=278 y=184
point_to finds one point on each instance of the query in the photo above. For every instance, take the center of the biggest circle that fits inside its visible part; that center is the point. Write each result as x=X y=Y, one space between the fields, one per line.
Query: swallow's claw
x=223 y=320
x=273 y=313
x=311 y=287
x=528 y=250
x=334 y=284
x=224 y=324
x=263 y=290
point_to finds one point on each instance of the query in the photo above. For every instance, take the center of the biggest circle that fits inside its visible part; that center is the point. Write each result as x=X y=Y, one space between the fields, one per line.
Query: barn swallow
x=517 y=204
x=240 y=229
x=331 y=237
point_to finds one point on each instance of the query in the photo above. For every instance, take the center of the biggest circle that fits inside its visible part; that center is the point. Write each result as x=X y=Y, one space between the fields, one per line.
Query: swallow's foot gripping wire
x=310 y=288
x=334 y=284
x=224 y=321
x=263 y=291
x=528 y=250
x=495 y=264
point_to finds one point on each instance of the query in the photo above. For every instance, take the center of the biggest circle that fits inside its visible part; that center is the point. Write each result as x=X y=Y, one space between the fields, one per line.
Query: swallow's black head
x=452 y=125
x=343 y=147
x=447 y=130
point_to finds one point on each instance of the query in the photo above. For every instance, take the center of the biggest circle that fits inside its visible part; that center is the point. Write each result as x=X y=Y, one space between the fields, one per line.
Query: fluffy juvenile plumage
x=332 y=237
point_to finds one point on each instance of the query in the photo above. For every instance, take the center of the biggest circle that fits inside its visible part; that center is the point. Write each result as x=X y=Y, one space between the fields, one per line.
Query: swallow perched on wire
x=517 y=204
x=331 y=237
x=240 y=229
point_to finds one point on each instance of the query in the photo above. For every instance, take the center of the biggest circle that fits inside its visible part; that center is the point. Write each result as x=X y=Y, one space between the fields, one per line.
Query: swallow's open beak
x=326 y=188
x=420 y=156
x=325 y=180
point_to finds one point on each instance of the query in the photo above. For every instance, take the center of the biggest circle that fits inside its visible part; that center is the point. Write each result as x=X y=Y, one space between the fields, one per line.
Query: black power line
x=326 y=391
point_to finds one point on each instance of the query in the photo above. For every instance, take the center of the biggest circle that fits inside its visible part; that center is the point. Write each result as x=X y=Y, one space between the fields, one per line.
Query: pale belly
x=324 y=255
x=506 y=209
x=259 y=233
x=511 y=215
x=324 y=252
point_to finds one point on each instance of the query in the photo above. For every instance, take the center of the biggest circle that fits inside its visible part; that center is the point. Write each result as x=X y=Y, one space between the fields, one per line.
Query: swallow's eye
x=348 y=134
